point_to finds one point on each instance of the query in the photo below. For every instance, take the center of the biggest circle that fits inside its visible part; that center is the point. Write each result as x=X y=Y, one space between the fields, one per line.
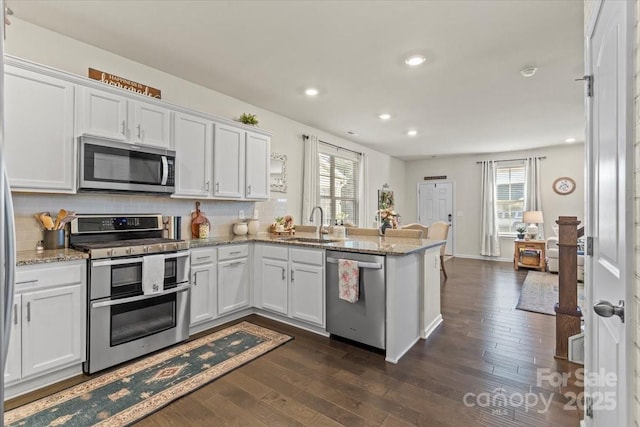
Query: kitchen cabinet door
x=149 y=124
x=39 y=132
x=51 y=330
x=103 y=114
x=228 y=162
x=233 y=285
x=193 y=142
x=307 y=293
x=13 y=367
x=274 y=285
x=257 y=166
x=203 y=293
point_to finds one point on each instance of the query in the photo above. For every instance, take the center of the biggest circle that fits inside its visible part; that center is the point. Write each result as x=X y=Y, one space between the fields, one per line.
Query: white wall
x=42 y=46
x=565 y=160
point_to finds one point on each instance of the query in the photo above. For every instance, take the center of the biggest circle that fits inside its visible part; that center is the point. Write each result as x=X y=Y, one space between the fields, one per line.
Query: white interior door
x=609 y=218
x=435 y=203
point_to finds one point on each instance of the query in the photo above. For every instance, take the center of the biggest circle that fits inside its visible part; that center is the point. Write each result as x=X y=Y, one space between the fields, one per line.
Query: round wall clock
x=564 y=185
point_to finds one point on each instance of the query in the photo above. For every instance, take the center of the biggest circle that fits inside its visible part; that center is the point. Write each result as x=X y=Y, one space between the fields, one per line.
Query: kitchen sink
x=307 y=240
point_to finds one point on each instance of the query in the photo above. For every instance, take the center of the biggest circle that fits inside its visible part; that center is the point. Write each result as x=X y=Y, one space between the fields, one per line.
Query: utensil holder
x=54 y=239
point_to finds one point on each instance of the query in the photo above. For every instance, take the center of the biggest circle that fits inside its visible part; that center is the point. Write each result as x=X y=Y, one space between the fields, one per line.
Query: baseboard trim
x=396 y=357
x=431 y=327
x=484 y=258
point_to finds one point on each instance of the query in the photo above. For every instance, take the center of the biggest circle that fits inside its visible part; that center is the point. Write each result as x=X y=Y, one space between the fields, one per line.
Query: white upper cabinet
x=240 y=164
x=38 y=130
x=117 y=117
x=257 y=166
x=193 y=140
x=103 y=114
x=149 y=124
x=228 y=162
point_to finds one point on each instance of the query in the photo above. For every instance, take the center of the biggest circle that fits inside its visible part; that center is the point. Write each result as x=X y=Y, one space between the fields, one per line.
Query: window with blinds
x=338 y=173
x=509 y=197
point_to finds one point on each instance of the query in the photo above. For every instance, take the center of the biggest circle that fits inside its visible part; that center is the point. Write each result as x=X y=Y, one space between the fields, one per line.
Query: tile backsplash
x=221 y=213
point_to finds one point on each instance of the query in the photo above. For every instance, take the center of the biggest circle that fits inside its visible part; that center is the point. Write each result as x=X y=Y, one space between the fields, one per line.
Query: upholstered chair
x=399 y=232
x=439 y=230
x=355 y=231
x=416 y=226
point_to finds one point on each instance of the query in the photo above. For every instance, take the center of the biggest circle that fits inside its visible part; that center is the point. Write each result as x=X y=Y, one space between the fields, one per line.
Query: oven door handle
x=135 y=260
x=140 y=297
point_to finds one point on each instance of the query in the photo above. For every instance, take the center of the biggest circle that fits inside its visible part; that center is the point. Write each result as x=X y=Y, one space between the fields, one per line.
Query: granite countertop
x=53 y=255
x=378 y=245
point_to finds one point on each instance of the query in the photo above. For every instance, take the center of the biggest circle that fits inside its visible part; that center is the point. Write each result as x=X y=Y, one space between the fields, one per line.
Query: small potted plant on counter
x=521 y=229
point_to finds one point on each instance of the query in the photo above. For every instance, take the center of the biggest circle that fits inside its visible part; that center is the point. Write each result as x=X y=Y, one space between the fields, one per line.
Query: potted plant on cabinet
x=521 y=229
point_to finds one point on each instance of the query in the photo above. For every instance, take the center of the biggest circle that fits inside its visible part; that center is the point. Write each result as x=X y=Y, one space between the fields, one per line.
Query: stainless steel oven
x=107 y=165
x=124 y=322
x=138 y=286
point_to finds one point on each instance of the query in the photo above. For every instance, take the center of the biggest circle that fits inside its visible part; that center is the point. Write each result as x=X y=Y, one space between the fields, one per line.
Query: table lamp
x=532 y=218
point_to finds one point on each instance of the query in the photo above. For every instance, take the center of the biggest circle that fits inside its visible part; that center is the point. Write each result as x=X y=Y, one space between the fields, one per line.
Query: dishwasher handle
x=369 y=265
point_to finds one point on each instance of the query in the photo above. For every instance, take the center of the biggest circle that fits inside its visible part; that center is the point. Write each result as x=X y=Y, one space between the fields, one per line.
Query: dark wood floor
x=484 y=347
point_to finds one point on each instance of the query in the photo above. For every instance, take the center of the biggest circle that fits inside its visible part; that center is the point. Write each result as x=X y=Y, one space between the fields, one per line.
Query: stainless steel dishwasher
x=363 y=321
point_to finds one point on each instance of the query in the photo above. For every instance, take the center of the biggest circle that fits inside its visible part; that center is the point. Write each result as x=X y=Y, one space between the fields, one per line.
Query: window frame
x=511 y=164
x=336 y=152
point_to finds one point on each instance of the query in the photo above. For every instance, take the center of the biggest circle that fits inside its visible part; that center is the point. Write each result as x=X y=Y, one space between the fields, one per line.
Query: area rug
x=540 y=293
x=120 y=397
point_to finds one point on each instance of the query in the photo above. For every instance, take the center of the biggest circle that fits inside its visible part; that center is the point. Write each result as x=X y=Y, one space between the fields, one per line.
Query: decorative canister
x=253 y=226
x=203 y=231
x=240 y=228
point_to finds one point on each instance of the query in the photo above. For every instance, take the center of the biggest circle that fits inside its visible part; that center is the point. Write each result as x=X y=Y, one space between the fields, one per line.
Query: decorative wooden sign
x=429 y=178
x=123 y=83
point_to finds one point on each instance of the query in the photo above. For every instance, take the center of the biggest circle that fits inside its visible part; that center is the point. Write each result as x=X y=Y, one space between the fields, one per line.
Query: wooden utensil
x=61 y=215
x=46 y=221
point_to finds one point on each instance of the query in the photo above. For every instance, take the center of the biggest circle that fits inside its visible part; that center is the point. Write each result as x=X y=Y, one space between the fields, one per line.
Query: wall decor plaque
x=123 y=83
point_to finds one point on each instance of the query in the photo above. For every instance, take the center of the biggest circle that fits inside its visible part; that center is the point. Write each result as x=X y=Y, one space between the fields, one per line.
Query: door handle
x=293 y=277
x=123 y=131
x=449 y=219
x=29 y=311
x=283 y=275
x=606 y=309
x=138 y=132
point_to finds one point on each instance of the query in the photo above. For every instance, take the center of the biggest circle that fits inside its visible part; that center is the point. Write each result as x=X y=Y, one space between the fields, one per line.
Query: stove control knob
x=129 y=251
x=145 y=249
x=175 y=246
x=111 y=252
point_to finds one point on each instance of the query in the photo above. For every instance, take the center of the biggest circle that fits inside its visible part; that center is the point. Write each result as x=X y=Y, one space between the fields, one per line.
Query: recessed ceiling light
x=311 y=91
x=412 y=132
x=570 y=140
x=528 y=71
x=415 y=60
x=385 y=116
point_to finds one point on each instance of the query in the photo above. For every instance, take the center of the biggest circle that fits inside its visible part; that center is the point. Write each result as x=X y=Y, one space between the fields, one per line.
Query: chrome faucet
x=321 y=220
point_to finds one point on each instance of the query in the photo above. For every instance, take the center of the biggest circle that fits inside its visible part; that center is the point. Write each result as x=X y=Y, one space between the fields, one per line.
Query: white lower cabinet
x=203 y=285
x=290 y=282
x=48 y=320
x=233 y=279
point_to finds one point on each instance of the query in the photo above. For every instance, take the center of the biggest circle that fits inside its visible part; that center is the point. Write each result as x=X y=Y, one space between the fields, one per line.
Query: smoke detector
x=528 y=71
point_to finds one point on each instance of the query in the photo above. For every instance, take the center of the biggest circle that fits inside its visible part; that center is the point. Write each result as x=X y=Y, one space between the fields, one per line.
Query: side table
x=529 y=254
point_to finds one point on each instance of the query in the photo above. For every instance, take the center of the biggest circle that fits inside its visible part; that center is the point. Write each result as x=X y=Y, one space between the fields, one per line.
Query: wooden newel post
x=568 y=314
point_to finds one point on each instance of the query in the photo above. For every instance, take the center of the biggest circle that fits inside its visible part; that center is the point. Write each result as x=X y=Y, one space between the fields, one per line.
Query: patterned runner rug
x=121 y=397
x=539 y=293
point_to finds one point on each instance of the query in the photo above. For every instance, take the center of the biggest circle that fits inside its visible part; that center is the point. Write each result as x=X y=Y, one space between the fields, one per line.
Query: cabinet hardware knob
x=123 y=125
x=15 y=314
x=283 y=274
x=293 y=277
x=139 y=137
x=29 y=311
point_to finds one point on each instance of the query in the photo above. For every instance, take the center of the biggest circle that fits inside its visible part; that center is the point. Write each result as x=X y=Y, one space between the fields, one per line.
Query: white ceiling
x=469 y=97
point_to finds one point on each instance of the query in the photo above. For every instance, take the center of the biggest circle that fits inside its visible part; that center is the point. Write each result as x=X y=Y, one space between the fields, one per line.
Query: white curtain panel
x=363 y=191
x=533 y=190
x=488 y=215
x=310 y=179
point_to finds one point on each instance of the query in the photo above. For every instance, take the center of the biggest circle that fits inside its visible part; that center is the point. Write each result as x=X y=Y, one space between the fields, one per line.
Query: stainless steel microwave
x=113 y=166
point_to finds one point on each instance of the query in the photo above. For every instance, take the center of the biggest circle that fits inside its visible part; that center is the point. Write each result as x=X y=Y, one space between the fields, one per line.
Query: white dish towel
x=348 y=280
x=152 y=274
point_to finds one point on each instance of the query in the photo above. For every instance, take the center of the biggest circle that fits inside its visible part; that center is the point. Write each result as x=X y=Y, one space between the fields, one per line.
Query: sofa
x=552 y=253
